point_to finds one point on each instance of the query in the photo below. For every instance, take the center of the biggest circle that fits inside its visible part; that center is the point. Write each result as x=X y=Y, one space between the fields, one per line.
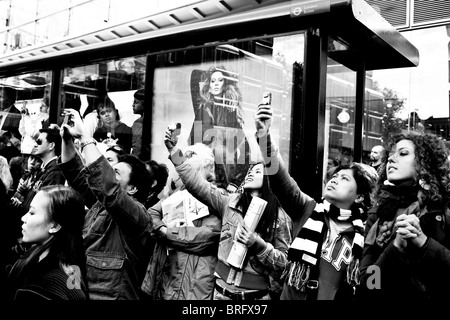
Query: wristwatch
x=87 y=141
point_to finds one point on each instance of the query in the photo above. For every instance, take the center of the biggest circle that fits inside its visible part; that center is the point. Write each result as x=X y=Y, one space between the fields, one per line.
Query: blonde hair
x=201 y=158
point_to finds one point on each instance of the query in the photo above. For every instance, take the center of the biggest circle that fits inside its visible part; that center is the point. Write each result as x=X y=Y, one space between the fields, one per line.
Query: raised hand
x=170 y=136
x=63 y=131
x=263 y=118
x=74 y=124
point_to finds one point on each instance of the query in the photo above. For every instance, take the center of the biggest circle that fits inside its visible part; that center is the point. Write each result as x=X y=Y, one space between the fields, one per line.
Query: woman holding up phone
x=323 y=260
x=267 y=245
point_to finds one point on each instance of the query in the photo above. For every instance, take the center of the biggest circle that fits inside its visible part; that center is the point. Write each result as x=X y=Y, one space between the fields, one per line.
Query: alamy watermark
x=374 y=280
x=74 y=280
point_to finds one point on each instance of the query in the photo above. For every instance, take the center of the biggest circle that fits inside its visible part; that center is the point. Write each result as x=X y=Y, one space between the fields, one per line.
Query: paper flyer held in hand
x=238 y=250
x=181 y=208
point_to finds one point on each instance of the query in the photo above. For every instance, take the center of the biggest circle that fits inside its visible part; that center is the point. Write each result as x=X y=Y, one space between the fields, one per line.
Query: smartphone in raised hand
x=68 y=119
x=176 y=133
x=267 y=98
x=267 y=101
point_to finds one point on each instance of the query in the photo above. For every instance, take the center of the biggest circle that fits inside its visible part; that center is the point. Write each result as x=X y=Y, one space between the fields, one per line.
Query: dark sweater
x=43 y=280
x=54 y=284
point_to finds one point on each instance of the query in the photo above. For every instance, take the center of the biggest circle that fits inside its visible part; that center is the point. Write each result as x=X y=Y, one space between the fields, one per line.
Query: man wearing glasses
x=48 y=148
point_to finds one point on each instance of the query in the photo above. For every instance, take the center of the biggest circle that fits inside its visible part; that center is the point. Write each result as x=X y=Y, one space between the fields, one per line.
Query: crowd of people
x=87 y=222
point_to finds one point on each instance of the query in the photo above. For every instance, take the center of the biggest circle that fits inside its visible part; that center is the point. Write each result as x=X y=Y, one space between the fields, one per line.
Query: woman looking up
x=267 y=245
x=406 y=252
x=325 y=254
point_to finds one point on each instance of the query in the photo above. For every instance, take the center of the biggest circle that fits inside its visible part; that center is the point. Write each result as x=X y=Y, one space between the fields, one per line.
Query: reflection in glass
x=339 y=117
x=418 y=99
x=24 y=108
x=105 y=95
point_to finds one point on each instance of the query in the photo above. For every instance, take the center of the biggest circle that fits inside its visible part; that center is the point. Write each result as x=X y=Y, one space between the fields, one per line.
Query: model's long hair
x=268 y=220
x=231 y=93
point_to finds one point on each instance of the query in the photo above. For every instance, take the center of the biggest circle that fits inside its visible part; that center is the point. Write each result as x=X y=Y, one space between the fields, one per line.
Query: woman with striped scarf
x=323 y=259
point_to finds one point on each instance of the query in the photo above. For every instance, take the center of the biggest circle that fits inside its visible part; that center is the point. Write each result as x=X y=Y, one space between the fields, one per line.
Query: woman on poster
x=219 y=122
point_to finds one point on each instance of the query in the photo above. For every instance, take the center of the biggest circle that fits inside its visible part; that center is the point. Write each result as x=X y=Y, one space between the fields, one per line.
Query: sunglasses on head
x=117 y=149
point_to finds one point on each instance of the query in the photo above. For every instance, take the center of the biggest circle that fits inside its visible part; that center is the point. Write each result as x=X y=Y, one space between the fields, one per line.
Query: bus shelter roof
x=353 y=22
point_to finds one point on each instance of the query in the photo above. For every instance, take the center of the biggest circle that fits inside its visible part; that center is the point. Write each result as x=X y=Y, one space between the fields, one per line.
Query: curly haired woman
x=406 y=251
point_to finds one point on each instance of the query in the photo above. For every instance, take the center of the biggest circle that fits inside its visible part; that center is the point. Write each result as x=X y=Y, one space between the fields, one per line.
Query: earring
x=424 y=185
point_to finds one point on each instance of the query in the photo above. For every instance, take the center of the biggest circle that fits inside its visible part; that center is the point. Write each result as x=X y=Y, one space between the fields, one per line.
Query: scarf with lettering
x=304 y=253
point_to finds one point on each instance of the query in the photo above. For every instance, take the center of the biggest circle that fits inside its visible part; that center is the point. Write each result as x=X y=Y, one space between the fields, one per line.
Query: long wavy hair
x=269 y=217
x=432 y=168
x=231 y=92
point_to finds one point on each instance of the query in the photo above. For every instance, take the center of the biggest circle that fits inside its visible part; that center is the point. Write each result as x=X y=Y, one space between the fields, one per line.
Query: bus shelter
x=315 y=57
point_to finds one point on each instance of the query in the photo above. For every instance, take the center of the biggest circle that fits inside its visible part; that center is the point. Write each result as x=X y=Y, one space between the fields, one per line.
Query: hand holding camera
x=171 y=135
x=73 y=124
x=263 y=116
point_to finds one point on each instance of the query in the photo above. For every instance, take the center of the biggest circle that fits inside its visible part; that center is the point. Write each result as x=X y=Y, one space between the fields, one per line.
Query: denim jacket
x=272 y=259
x=116 y=231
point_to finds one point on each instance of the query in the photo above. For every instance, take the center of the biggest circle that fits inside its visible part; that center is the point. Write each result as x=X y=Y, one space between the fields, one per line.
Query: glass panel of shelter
x=84 y=88
x=254 y=67
x=339 y=113
x=24 y=108
x=418 y=99
x=184 y=94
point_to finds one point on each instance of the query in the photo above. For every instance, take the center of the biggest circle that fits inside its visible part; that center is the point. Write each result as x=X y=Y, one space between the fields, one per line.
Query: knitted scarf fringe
x=297 y=275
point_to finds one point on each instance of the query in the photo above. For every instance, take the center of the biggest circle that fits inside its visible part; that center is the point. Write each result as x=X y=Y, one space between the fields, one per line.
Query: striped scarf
x=304 y=253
